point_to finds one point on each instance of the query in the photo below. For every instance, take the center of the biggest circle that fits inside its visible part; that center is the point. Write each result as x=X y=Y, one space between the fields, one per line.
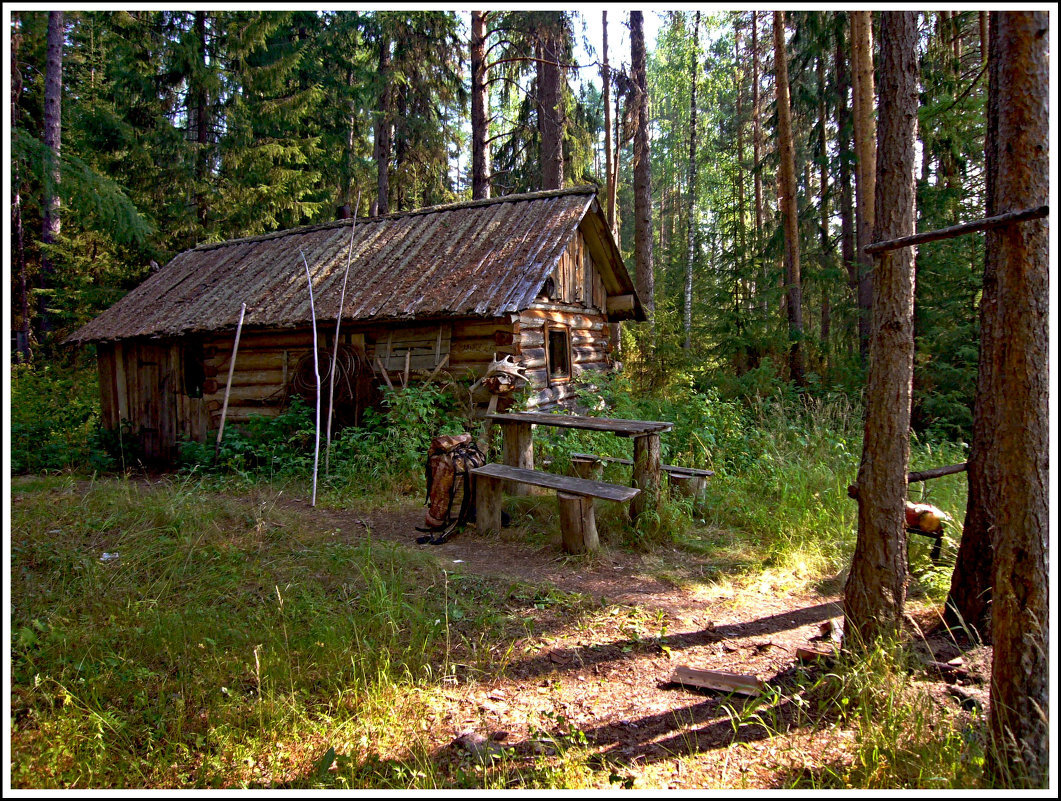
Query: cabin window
x=558 y=353
x=194 y=369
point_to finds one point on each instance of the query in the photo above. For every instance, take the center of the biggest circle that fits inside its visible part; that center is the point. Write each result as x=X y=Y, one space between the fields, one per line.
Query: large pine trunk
x=875 y=593
x=1021 y=609
x=866 y=164
x=383 y=127
x=480 y=109
x=968 y=604
x=645 y=277
x=53 y=106
x=787 y=202
x=550 y=104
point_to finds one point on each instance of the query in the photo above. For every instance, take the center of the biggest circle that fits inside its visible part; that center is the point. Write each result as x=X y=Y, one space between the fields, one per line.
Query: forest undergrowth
x=196 y=631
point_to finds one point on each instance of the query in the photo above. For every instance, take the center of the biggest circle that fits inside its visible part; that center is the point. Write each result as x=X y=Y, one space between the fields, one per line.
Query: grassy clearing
x=233 y=642
x=225 y=644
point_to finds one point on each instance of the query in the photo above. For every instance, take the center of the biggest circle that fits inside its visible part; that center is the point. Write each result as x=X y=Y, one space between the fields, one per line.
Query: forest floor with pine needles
x=247 y=639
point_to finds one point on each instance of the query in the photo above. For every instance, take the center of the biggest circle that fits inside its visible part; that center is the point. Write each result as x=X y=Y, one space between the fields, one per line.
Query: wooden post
x=487 y=504
x=335 y=354
x=577 y=523
x=317 y=372
x=646 y=475
x=228 y=384
x=517 y=450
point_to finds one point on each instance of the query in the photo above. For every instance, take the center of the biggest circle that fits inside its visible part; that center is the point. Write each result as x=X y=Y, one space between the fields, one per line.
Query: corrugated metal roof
x=483 y=258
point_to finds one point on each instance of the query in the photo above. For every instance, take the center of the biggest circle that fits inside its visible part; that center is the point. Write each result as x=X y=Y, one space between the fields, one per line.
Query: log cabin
x=452 y=287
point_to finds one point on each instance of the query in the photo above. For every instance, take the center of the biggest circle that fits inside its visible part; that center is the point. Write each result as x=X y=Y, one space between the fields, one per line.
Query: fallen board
x=717 y=680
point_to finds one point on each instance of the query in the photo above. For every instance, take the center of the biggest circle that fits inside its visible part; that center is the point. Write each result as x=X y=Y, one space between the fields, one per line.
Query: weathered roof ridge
x=585 y=189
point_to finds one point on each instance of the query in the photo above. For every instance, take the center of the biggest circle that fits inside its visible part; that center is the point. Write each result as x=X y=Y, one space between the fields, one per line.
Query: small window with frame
x=558 y=353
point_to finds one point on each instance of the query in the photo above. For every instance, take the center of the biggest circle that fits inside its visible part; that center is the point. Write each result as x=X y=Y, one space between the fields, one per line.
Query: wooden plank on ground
x=568 y=484
x=740 y=683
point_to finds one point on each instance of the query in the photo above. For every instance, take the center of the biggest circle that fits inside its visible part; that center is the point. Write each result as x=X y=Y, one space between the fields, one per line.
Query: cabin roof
x=481 y=258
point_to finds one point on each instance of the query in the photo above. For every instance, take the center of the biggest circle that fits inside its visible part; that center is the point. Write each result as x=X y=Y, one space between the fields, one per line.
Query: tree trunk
x=787 y=202
x=199 y=93
x=383 y=127
x=1020 y=672
x=480 y=109
x=16 y=213
x=823 y=208
x=606 y=80
x=968 y=604
x=550 y=105
x=742 y=232
x=843 y=147
x=690 y=203
x=757 y=154
x=642 y=169
x=866 y=164
x=875 y=593
x=53 y=106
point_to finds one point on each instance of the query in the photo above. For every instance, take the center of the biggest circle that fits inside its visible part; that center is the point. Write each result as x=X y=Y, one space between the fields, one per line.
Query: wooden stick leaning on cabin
x=317 y=371
x=335 y=355
x=228 y=384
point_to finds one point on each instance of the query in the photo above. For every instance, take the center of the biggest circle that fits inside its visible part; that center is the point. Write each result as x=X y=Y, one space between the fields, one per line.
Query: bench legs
x=488 y=504
x=577 y=523
x=694 y=487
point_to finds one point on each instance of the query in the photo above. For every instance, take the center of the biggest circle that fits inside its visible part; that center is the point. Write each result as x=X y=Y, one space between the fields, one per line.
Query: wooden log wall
x=142 y=385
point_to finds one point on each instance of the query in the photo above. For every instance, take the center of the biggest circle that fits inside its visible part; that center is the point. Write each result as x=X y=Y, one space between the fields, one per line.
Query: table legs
x=517 y=450
x=646 y=475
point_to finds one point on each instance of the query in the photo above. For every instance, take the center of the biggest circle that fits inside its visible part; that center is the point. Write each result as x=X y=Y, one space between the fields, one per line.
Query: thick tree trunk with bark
x=201 y=100
x=690 y=201
x=53 y=106
x=875 y=593
x=642 y=170
x=787 y=202
x=1021 y=607
x=480 y=109
x=866 y=164
x=550 y=104
x=968 y=604
x=384 y=124
x=823 y=208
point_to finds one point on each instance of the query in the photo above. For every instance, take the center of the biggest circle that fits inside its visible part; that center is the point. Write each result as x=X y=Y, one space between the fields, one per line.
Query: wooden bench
x=574 y=496
x=688 y=481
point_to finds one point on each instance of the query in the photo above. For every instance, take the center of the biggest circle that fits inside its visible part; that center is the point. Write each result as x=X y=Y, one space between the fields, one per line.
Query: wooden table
x=518 y=446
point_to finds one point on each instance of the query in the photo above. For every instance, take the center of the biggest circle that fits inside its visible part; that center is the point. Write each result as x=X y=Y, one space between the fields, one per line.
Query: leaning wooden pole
x=317 y=372
x=335 y=355
x=228 y=384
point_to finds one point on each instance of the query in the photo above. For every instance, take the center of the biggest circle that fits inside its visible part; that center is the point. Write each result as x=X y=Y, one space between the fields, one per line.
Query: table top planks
x=623 y=428
x=574 y=486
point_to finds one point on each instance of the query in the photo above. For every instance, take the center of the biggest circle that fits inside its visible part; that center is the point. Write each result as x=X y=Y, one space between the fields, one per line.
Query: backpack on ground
x=450 y=483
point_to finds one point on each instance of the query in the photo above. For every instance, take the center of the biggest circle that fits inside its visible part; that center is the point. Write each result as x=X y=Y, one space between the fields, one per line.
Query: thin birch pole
x=335 y=354
x=228 y=384
x=317 y=371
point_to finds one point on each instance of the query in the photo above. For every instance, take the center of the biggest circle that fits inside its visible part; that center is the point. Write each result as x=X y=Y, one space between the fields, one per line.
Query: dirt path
x=611 y=682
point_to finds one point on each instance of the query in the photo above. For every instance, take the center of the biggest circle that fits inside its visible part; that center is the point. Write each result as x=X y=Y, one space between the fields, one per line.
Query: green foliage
x=391 y=445
x=55 y=419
